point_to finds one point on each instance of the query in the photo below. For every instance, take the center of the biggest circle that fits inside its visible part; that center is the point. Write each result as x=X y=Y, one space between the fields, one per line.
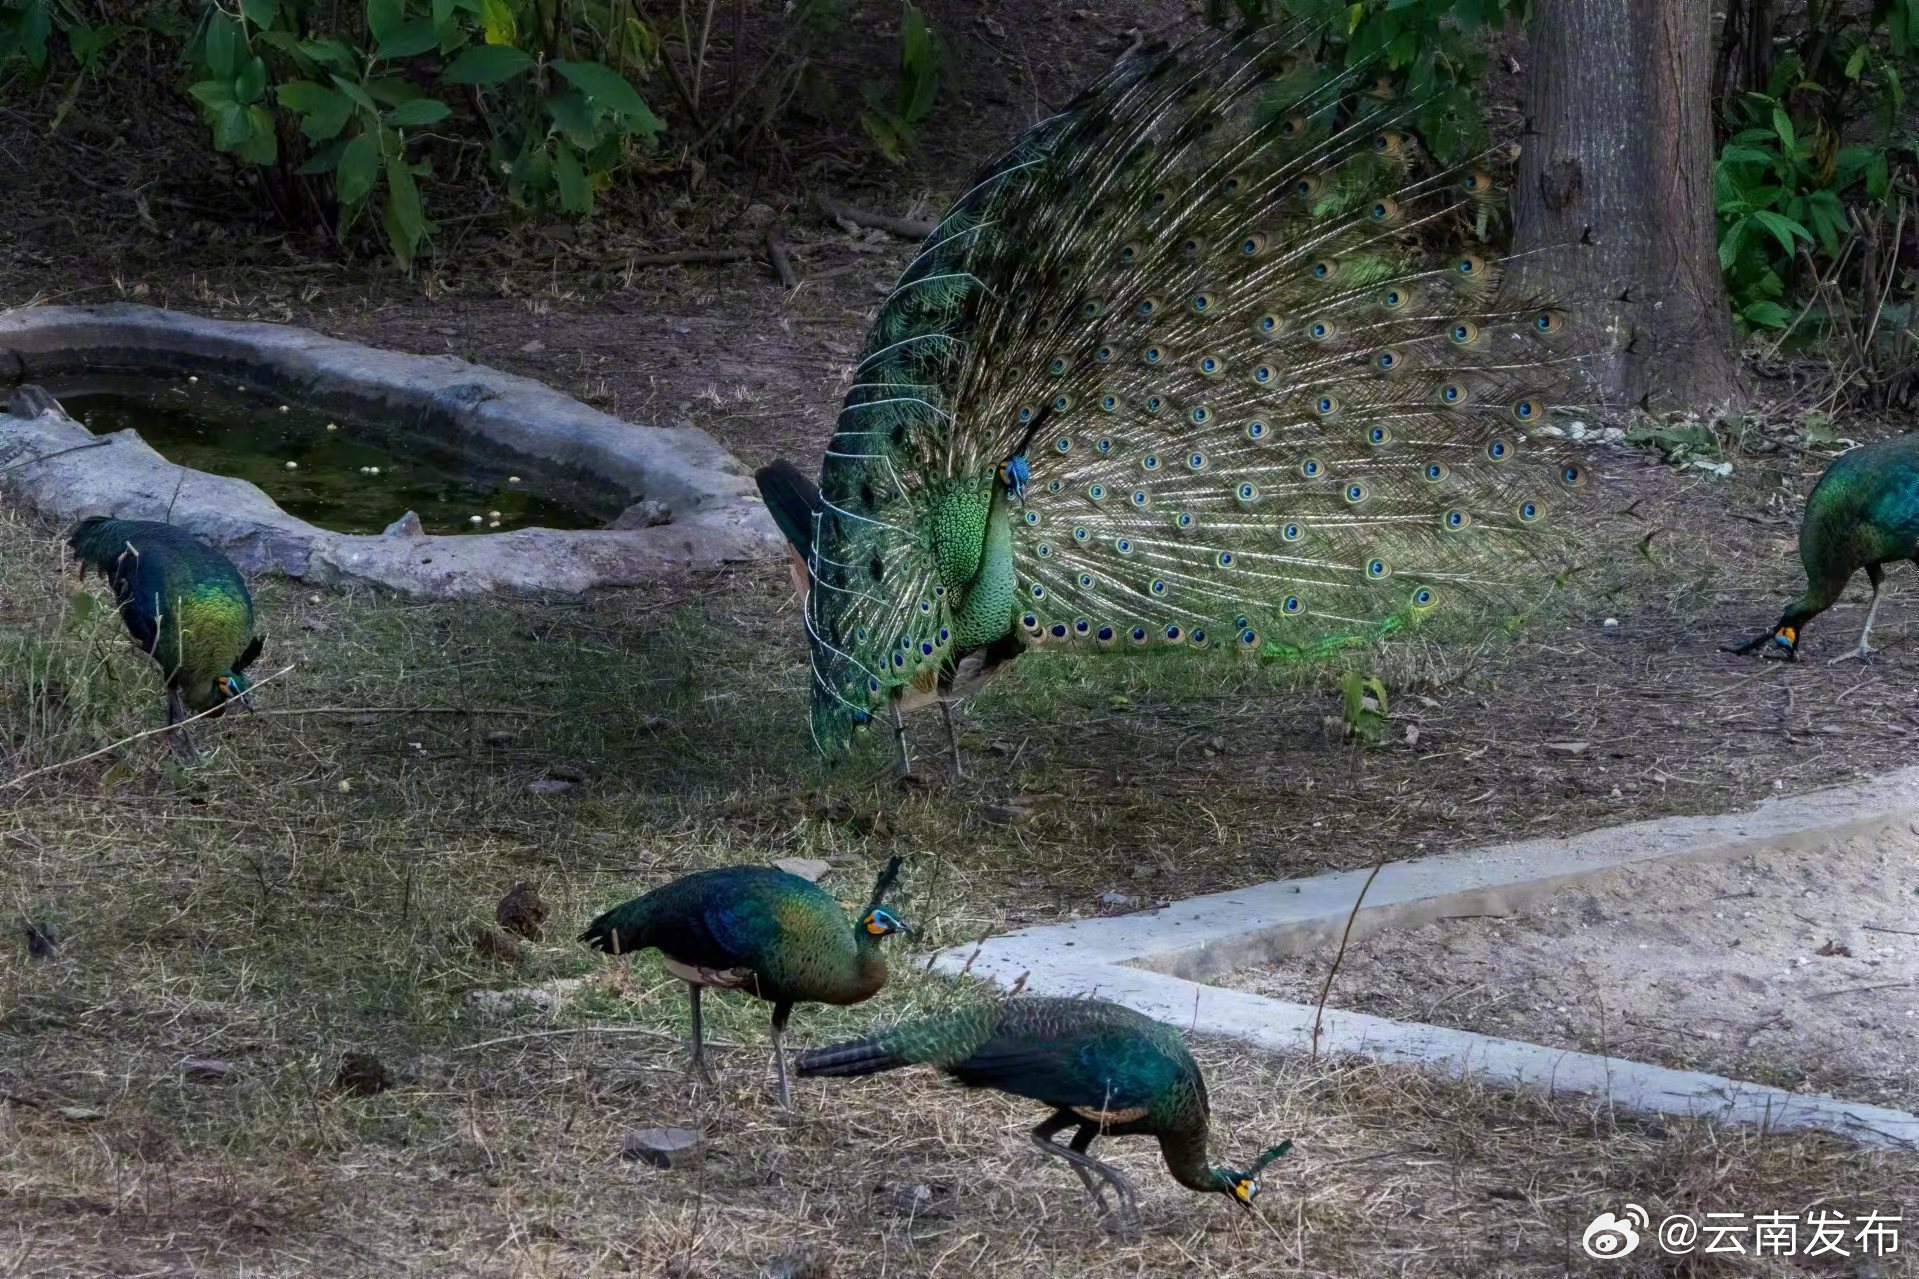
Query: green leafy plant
x=1430 y=50
x=1363 y=706
x=895 y=112
x=1812 y=149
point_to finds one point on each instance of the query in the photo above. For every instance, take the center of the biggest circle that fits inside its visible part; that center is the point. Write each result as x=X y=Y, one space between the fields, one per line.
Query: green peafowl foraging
x=1863 y=513
x=1212 y=358
x=1105 y=1070
x=774 y=935
x=185 y=605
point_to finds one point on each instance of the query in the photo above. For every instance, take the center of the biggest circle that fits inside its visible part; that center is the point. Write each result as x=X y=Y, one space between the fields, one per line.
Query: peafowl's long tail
x=862 y=1057
x=792 y=499
x=622 y=930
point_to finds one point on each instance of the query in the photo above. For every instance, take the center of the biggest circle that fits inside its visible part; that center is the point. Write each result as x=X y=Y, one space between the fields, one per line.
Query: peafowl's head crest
x=1244 y=1186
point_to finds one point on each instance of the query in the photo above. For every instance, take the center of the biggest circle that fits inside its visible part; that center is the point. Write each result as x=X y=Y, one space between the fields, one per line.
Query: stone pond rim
x=715 y=513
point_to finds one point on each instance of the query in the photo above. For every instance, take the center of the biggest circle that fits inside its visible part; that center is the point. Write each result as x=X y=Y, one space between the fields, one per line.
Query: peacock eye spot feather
x=1055 y=486
x=1029 y=621
x=1141 y=497
x=1086 y=580
x=1104 y=354
x=1456 y=520
x=1096 y=492
x=1310 y=468
x=1105 y=633
x=1248 y=637
x=1326 y=405
x=1255 y=430
x=1379 y=435
x=1202 y=303
x=1377 y=569
x=1196 y=461
x=1032 y=518
x=1422 y=597
x=1355 y=493
x=1572 y=475
x=1523 y=410
x=1268 y=323
x=1057 y=630
x=1150 y=462
x=1080 y=534
x=1025 y=413
x=1224 y=559
x=1138 y=635
x=1082 y=627
x=1152 y=355
x=945 y=634
x=1248 y=491
x=1292 y=533
x=1173 y=633
x=1062 y=445
x=1044 y=550
x=1263 y=374
x=1152 y=404
x=1200 y=415
x=1109 y=402
x=899 y=659
x=1253 y=245
x=1388 y=359
x=1183 y=520
x=1057 y=367
x=1039 y=591
x=926 y=606
x=1436 y=471
x=926 y=648
x=1497 y=450
x=1291 y=604
x=1124 y=546
x=1528 y=512
x=1158 y=586
x=1208 y=364
x=1103 y=447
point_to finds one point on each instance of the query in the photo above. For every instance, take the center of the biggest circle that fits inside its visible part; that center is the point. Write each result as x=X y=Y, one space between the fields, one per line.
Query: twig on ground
x=905 y=228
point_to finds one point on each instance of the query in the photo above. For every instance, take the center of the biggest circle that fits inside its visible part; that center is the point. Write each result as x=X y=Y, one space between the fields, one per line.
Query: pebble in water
x=293 y=466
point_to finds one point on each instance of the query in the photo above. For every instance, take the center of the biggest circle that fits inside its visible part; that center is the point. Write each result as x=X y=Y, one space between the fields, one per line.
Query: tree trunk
x=1615 y=171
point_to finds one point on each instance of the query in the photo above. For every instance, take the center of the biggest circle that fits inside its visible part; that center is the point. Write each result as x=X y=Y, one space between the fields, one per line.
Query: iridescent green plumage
x=184 y=603
x=1105 y=1069
x=1863 y=513
x=757 y=929
x=1212 y=358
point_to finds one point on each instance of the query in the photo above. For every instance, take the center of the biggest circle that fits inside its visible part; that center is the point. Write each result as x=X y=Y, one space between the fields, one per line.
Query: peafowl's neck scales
x=972 y=543
x=1183 y=1146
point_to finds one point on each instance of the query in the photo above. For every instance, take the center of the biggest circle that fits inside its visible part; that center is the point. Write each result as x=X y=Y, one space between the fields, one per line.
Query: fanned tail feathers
x=1253 y=361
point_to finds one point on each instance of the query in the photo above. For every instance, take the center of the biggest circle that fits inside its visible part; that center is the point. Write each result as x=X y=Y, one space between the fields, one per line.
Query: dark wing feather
x=1068 y=1061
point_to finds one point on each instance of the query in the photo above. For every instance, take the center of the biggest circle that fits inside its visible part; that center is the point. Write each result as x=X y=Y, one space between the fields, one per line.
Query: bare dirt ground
x=1796 y=969
x=327 y=883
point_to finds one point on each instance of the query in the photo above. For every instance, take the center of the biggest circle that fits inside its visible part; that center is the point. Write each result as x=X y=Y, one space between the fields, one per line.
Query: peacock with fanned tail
x=1105 y=1069
x=1214 y=358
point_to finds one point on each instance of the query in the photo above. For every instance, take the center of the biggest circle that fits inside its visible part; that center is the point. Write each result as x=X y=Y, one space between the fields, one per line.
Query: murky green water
x=338 y=474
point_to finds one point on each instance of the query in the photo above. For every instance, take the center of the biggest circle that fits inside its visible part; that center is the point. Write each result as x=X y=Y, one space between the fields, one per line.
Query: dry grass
x=320 y=887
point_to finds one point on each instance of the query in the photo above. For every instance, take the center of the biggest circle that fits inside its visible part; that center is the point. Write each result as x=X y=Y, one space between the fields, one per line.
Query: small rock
x=206 y=1070
x=664 y=1147
x=407 y=525
x=645 y=514
x=1835 y=950
x=805 y=867
x=346 y=788
x=362 y=1074
x=1567 y=748
x=1113 y=899
x=293 y=466
x=566 y=773
x=494 y=944
x=1006 y=814
x=549 y=786
x=80 y=1114
x=757 y=215
x=532 y=348
x=43 y=938
x=522 y=911
x=1611 y=621
x=499 y=739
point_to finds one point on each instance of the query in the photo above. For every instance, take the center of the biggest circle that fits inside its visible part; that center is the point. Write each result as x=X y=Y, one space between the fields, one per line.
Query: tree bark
x=1614 y=213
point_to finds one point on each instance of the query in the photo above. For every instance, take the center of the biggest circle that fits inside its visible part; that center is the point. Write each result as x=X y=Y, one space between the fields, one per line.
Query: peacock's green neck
x=973 y=544
x=869 y=967
x=1184 y=1149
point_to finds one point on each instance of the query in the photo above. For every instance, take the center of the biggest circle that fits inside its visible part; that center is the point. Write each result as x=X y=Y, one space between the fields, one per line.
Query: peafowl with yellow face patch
x=1214 y=359
x=775 y=935
x=1103 y=1068
x=185 y=605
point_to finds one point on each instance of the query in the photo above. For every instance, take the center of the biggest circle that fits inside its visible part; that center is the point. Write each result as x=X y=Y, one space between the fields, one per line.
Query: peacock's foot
x=1863 y=653
x=1121 y=1224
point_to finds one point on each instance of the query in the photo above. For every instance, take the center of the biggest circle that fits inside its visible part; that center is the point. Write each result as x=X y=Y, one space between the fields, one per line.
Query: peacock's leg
x=1122 y=1186
x=1077 y=1158
x=699 y=1038
x=1864 y=650
x=952 y=738
x=177 y=738
x=899 y=741
x=780 y=1013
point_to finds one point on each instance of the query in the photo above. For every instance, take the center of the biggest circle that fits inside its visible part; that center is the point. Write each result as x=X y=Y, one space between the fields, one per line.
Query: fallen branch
x=691 y=255
x=127 y=741
x=1319 y=1010
x=48 y=457
x=905 y=228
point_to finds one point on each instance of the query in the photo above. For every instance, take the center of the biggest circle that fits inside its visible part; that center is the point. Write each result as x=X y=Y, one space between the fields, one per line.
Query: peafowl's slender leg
x=780 y=1013
x=177 y=738
x=1087 y=1166
x=899 y=741
x=699 y=1037
x=1864 y=650
x=952 y=738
